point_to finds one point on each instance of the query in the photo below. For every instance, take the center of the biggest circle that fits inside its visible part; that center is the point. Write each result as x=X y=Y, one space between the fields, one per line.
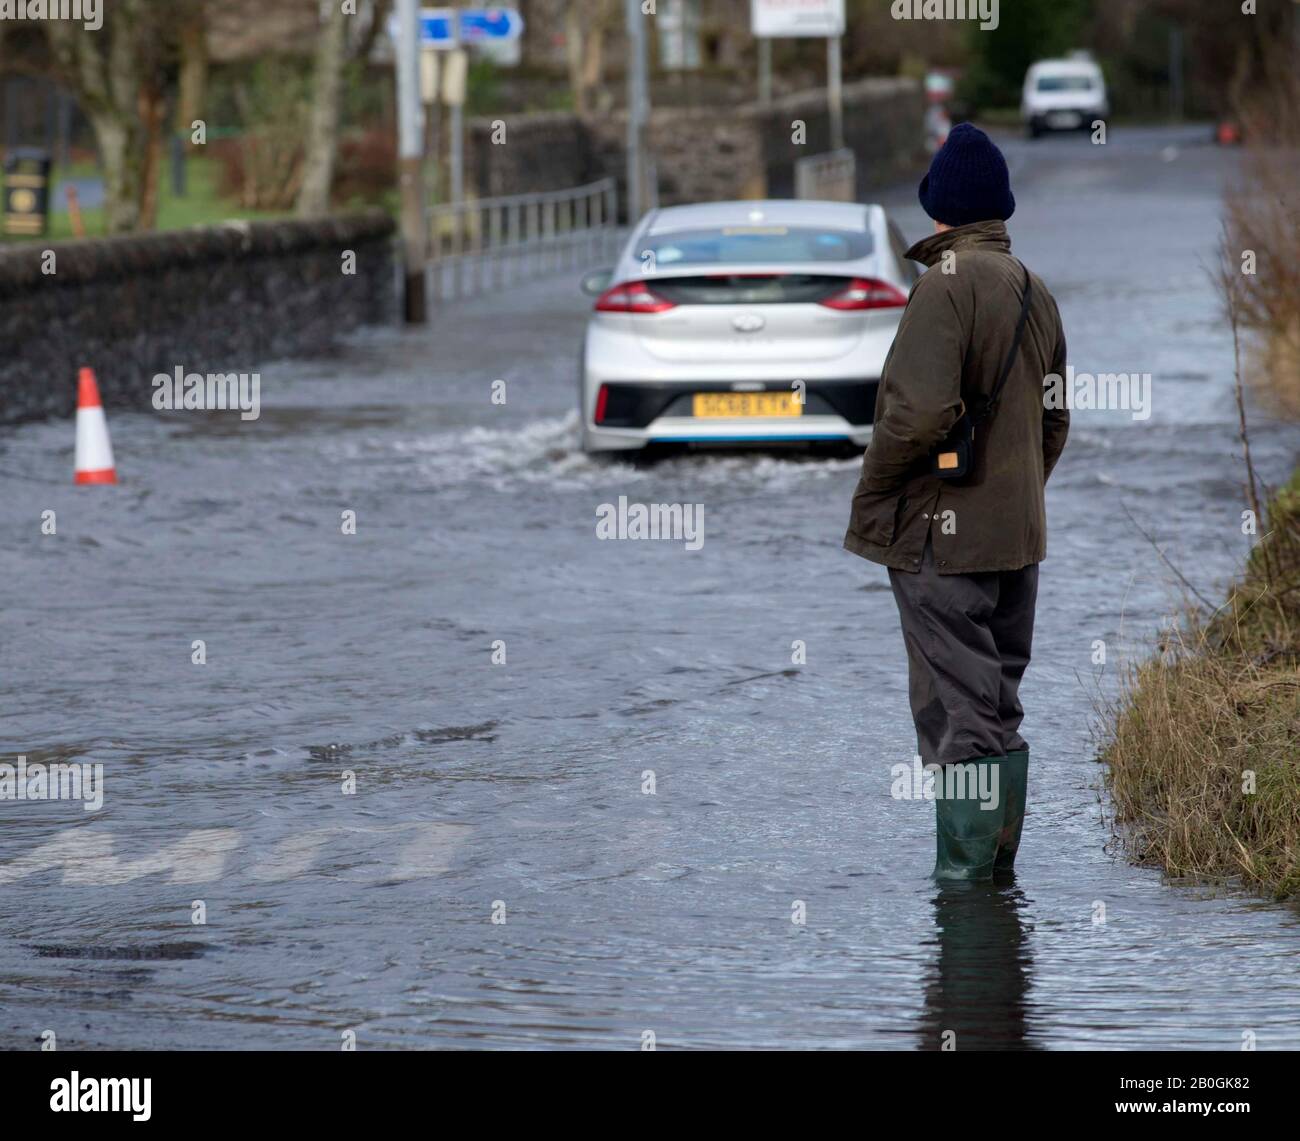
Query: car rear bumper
x=641 y=413
x=1064 y=118
x=637 y=404
x=733 y=433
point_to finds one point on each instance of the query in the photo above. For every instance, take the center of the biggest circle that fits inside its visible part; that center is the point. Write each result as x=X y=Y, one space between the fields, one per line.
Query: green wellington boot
x=966 y=835
x=1015 y=777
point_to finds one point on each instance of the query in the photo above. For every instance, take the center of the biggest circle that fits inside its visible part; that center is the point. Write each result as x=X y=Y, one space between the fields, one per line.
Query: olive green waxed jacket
x=951 y=344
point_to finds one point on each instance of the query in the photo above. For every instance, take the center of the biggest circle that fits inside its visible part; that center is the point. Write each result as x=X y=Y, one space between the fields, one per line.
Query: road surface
x=517 y=790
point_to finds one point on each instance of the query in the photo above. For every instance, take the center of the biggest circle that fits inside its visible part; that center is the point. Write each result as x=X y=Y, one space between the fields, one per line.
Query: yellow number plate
x=716 y=405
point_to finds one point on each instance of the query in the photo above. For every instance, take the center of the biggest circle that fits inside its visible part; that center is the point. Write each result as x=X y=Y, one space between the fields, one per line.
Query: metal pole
x=764 y=72
x=456 y=167
x=177 y=145
x=682 y=7
x=12 y=87
x=49 y=93
x=65 y=127
x=637 y=106
x=410 y=159
x=611 y=215
x=835 y=92
x=435 y=151
x=430 y=77
x=1176 y=74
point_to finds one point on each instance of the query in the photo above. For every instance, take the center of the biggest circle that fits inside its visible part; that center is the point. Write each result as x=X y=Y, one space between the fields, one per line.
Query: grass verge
x=201 y=205
x=1204 y=759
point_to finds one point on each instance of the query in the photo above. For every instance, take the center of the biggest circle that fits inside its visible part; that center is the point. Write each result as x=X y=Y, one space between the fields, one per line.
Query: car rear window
x=747 y=289
x=755 y=245
x=1065 y=83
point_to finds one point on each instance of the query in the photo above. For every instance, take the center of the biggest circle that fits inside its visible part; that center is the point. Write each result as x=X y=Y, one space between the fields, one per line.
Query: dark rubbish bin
x=26 y=191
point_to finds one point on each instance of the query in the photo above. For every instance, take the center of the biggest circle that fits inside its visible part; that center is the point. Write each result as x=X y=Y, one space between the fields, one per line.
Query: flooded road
x=516 y=789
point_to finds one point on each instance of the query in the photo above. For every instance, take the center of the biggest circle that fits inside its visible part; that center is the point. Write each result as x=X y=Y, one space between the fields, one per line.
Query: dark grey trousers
x=968 y=640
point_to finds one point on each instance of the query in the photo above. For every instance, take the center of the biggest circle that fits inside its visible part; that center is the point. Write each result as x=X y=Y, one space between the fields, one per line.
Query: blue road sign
x=438 y=27
x=479 y=24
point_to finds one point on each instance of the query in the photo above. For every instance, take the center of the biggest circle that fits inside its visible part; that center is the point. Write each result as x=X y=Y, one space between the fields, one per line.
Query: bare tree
x=119 y=75
x=586 y=23
x=323 y=115
x=335 y=46
x=103 y=71
x=192 y=79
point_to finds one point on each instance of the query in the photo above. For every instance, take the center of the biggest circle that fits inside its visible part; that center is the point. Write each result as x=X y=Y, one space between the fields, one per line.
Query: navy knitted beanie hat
x=968 y=180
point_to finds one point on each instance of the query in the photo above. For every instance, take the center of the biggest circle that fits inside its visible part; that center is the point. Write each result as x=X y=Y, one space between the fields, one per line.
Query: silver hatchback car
x=762 y=322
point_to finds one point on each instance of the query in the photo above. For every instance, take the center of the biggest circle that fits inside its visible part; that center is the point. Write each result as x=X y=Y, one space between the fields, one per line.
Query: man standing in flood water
x=951 y=496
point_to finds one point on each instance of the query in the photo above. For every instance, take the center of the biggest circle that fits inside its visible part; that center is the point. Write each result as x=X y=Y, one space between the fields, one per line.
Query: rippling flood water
x=515 y=789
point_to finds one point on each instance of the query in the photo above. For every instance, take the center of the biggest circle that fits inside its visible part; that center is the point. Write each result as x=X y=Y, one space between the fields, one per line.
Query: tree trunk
x=103 y=69
x=585 y=25
x=192 y=83
x=119 y=146
x=323 y=124
x=123 y=87
x=593 y=70
x=574 y=50
x=152 y=113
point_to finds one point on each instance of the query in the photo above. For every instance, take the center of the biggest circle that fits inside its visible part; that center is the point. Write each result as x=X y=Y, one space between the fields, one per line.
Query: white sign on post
x=455 y=72
x=429 y=80
x=781 y=18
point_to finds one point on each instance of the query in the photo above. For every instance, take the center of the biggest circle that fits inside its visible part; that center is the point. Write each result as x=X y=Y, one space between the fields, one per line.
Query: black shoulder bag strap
x=991 y=405
x=954 y=457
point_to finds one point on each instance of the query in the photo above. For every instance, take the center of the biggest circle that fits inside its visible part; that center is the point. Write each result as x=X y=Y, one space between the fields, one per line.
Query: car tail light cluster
x=866 y=293
x=631 y=297
x=602 y=399
x=856 y=293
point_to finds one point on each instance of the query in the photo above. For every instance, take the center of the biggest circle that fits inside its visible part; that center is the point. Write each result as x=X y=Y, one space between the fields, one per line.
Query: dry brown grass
x=1263 y=216
x=1204 y=760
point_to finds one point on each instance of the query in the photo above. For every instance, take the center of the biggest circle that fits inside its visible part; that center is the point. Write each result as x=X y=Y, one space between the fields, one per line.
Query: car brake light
x=631 y=297
x=602 y=397
x=866 y=293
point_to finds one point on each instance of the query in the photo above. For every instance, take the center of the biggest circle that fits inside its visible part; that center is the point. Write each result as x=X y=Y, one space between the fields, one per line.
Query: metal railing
x=492 y=243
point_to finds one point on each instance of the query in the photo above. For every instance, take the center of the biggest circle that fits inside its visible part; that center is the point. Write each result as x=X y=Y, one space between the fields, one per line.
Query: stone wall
x=706 y=156
x=220 y=298
x=541 y=151
x=884 y=125
x=712 y=154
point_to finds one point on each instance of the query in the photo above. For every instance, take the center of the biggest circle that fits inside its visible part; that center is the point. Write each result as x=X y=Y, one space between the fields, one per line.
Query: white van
x=1063 y=95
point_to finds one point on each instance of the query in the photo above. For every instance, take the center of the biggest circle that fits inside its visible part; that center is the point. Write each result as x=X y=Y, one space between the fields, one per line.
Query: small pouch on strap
x=952 y=458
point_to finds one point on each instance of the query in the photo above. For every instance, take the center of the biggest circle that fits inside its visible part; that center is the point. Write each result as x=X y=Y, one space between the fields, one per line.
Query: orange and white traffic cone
x=94 y=462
